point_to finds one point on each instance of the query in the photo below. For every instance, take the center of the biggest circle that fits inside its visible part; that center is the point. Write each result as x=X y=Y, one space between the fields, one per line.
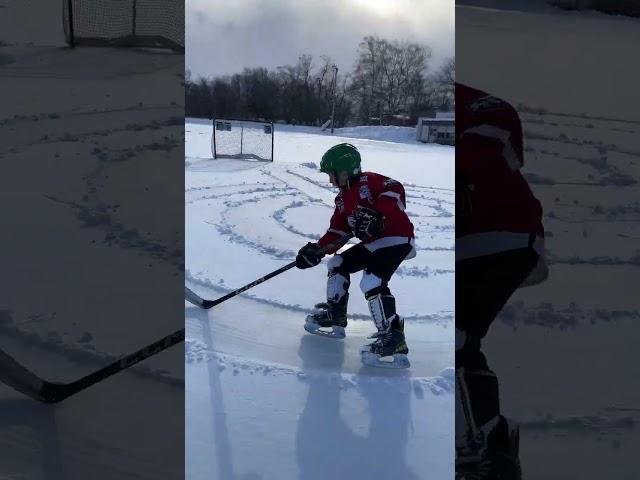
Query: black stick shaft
x=212 y=303
x=122 y=364
x=252 y=284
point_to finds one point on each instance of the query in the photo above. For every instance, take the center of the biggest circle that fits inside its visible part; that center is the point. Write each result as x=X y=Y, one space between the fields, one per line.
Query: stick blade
x=20 y=378
x=192 y=297
x=55 y=392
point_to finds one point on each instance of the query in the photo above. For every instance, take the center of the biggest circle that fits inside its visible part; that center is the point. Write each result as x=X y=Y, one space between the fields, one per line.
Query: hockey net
x=244 y=139
x=143 y=23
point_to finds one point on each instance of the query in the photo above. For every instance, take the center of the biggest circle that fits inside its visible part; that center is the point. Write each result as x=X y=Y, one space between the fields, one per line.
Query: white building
x=441 y=129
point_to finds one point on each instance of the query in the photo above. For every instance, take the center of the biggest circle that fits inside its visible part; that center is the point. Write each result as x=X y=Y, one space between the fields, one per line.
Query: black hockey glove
x=309 y=256
x=369 y=223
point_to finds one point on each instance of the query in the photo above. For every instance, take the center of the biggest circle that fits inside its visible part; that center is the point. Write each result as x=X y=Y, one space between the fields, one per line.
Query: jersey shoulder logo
x=364 y=178
x=365 y=193
x=340 y=203
x=486 y=103
x=390 y=181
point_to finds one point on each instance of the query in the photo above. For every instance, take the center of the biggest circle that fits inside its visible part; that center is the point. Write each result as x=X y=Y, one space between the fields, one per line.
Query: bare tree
x=446 y=74
x=388 y=76
x=444 y=80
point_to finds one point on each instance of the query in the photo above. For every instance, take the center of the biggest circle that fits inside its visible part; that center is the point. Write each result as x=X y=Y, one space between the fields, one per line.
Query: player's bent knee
x=334 y=263
x=370 y=282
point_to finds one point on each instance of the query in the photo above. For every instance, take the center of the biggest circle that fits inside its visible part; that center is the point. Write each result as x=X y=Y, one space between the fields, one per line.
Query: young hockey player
x=372 y=207
x=499 y=248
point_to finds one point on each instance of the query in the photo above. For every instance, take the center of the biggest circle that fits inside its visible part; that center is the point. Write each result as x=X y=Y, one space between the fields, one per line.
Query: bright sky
x=225 y=36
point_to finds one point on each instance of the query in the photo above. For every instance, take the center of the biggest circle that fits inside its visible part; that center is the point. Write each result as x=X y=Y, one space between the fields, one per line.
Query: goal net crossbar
x=139 y=23
x=242 y=139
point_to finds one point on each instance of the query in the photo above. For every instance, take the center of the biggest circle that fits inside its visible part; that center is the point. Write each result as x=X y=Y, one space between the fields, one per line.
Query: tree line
x=390 y=83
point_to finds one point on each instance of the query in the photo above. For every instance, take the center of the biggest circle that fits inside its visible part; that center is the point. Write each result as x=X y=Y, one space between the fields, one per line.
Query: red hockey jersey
x=495 y=208
x=375 y=191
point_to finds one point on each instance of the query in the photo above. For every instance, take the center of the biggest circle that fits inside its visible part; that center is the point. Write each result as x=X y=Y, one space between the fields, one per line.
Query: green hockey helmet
x=343 y=157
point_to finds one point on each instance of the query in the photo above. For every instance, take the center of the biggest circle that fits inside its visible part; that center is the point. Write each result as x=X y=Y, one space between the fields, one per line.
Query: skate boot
x=381 y=307
x=376 y=336
x=329 y=319
x=486 y=442
x=492 y=454
x=389 y=350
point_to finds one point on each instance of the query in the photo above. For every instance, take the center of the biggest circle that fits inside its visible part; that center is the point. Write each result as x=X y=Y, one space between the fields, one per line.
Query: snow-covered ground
x=266 y=400
x=88 y=151
x=565 y=351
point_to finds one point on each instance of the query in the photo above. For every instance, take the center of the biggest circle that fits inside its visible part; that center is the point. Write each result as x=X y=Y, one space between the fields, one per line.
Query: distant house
x=440 y=129
x=398 y=120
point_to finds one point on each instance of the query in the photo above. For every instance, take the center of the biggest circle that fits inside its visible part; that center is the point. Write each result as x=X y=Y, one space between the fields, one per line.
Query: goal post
x=242 y=139
x=129 y=23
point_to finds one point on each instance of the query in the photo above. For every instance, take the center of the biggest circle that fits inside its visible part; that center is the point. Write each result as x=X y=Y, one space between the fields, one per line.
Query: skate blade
x=398 y=360
x=330 y=332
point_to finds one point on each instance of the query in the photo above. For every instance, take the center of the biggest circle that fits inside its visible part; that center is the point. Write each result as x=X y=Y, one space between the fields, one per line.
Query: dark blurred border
x=92 y=207
x=563 y=350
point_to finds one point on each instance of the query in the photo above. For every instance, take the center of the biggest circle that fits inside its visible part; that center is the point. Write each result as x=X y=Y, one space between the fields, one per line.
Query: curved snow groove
x=607 y=421
x=84 y=129
x=423 y=271
x=326 y=185
x=48 y=116
x=251 y=198
x=92 y=204
x=591 y=133
x=563 y=317
x=326 y=194
x=440 y=190
x=228 y=195
x=196 y=351
x=226 y=228
x=280 y=214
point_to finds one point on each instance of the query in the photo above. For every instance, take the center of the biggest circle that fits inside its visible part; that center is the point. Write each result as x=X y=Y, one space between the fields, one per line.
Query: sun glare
x=380 y=7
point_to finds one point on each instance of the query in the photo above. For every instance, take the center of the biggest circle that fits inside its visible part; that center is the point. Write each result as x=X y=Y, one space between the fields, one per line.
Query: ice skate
x=492 y=454
x=389 y=350
x=329 y=319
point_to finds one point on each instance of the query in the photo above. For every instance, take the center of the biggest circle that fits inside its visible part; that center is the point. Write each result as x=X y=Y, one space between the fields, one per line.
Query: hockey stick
x=24 y=381
x=207 y=304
